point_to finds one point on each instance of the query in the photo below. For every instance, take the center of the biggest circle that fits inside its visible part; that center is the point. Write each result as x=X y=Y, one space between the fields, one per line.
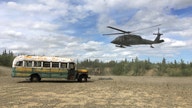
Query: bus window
x=37 y=64
x=28 y=64
x=71 y=66
x=46 y=64
x=19 y=63
x=55 y=64
x=63 y=65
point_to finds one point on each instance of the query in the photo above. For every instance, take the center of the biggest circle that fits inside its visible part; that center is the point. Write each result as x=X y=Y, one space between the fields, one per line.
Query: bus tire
x=85 y=79
x=82 y=78
x=35 y=78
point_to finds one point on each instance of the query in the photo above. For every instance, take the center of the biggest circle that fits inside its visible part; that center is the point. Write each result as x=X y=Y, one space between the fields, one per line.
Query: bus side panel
x=43 y=72
x=20 y=72
x=51 y=73
x=59 y=73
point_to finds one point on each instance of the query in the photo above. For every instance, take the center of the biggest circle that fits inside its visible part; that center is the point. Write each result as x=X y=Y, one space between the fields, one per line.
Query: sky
x=74 y=28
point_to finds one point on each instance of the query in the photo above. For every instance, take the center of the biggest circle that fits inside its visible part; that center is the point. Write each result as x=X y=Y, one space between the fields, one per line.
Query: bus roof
x=42 y=58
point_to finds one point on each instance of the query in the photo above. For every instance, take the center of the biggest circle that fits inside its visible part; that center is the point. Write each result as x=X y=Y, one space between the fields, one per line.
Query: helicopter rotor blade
x=129 y=32
x=119 y=29
x=113 y=33
x=147 y=27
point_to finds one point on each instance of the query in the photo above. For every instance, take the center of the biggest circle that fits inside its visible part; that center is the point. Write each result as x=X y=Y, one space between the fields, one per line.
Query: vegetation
x=6 y=58
x=128 y=68
x=137 y=68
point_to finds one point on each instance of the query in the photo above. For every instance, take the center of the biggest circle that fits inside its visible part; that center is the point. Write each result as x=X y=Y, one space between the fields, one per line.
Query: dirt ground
x=99 y=92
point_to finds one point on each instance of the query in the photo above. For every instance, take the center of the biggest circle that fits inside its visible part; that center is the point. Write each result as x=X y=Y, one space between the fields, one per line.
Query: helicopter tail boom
x=158 y=40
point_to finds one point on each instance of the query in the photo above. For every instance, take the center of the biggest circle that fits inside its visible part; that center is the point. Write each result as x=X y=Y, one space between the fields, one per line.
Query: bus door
x=71 y=71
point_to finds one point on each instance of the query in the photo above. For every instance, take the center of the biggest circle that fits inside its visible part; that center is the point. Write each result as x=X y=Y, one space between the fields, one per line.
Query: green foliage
x=6 y=58
x=135 y=67
x=138 y=67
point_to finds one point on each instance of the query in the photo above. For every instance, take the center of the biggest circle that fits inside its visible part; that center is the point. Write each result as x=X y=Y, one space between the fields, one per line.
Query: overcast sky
x=74 y=28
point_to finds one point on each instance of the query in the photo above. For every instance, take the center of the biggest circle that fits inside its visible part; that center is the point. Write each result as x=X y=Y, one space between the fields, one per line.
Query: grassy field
x=99 y=92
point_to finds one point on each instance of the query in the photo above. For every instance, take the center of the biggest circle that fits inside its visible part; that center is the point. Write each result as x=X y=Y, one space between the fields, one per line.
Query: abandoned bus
x=37 y=67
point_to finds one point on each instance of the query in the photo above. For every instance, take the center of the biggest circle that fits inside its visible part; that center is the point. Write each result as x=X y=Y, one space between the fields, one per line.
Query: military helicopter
x=128 y=38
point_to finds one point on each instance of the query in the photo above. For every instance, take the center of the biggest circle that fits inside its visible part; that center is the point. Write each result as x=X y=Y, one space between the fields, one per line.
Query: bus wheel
x=85 y=78
x=35 y=78
x=82 y=78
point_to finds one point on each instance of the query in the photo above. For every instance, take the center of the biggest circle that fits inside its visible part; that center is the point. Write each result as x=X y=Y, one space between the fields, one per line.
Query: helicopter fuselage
x=131 y=39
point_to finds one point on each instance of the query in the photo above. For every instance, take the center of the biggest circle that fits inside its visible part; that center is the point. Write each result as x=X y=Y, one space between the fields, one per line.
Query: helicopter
x=128 y=38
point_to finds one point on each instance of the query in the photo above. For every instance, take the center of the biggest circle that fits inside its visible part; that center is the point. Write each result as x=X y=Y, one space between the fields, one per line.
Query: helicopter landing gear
x=121 y=46
x=151 y=46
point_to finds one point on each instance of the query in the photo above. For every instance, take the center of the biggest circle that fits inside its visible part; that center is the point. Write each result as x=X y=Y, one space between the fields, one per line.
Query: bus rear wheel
x=35 y=78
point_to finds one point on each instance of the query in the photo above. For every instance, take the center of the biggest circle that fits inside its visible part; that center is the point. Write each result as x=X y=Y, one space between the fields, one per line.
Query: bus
x=37 y=67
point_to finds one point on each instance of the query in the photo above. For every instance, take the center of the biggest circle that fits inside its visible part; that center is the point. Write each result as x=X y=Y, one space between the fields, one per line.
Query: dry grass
x=105 y=91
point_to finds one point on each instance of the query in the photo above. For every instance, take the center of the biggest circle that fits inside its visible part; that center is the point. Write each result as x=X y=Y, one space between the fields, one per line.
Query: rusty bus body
x=37 y=67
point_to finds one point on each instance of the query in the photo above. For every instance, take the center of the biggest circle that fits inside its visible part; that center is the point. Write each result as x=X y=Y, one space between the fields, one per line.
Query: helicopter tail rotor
x=158 y=33
x=157 y=39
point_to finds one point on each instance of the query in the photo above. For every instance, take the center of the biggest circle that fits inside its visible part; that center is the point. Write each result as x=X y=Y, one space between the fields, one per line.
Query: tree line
x=134 y=67
x=138 y=67
x=6 y=58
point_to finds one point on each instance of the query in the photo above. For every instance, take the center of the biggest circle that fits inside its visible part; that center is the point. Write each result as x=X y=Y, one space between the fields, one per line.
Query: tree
x=6 y=59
